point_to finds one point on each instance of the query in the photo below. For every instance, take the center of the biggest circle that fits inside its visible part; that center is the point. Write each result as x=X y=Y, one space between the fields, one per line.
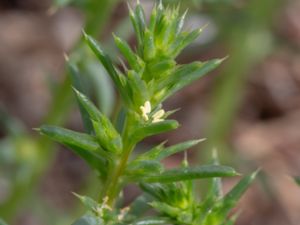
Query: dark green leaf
x=185 y=40
x=82 y=144
x=189 y=73
x=139 y=206
x=133 y=60
x=153 y=129
x=137 y=85
x=89 y=203
x=200 y=172
x=70 y=138
x=90 y=108
x=143 y=167
x=77 y=83
x=149 y=46
x=159 y=153
x=137 y=29
x=118 y=79
x=107 y=135
x=231 y=198
x=105 y=132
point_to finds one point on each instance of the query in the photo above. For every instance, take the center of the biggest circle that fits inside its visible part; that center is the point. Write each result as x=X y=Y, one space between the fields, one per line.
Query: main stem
x=113 y=184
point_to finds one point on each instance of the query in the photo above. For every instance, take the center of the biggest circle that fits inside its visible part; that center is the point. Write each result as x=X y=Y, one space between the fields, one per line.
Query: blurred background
x=248 y=109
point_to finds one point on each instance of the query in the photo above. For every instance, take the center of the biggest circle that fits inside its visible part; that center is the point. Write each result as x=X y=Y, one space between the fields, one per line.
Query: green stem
x=114 y=183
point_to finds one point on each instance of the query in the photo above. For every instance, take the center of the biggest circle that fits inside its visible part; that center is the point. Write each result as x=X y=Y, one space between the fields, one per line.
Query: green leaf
x=191 y=72
x=161 y=67
x=140 y=18
x=101 y=84
x=143 y=167
x=137 y=28
x=106 y=133
x=70 y=138
x=139 y=206
x=103 y=57
x=133 y=60
x=77 y=83
x=118 y=79
x=207 y=171
x=221 y=208
x=82 y=144
x=166 y=209
x=214 y=187
x=159 y=153
x=149 y=47
x=89 y=203
x=231 y=198
x=180 y=23
x=214 y=192
x=184 y=40
x=137 y=85
x=153 y=129
x=90 y=108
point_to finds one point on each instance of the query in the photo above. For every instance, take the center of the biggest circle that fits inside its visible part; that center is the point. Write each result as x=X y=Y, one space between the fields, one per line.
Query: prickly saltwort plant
x=151 y=77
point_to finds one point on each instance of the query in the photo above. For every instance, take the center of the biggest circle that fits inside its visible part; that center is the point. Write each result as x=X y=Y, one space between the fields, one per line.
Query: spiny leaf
x=77 y=83
x=153 y=129
x=184 y=40
x=82 y=144
x=159 y=153
x=107 y=136
x=222 y=207
x=91 y=109
x=133 y=60
x=189 y=73
x=200 y=172
x=136 y=25
x=149 y=46
x=137 y=85
x=238 y=190
x=70 y=138
x=143 y=167
x=140 y=205
x=105 y=132
x=118 y=79
x=89 y=203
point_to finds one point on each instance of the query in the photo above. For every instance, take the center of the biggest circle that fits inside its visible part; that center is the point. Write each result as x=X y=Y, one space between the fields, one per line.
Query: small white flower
x=99 y=209
x=157 y=117
x=146 y=109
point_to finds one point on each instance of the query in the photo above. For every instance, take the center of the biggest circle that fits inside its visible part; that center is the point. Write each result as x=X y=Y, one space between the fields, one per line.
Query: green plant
x=153 y=76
